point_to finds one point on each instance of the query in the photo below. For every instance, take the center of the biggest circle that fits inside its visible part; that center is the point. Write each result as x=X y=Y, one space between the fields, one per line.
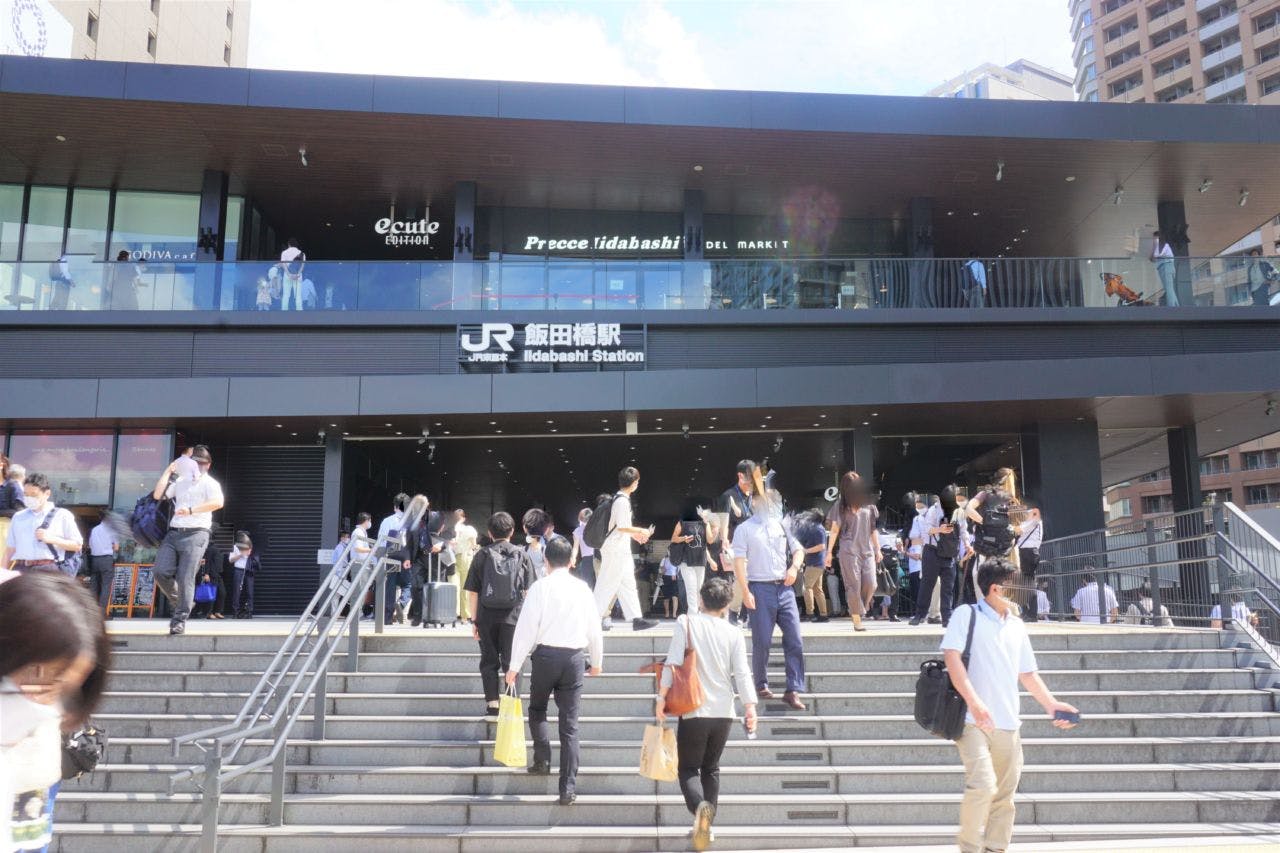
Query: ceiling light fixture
x=1070 y=178
x=1244 y=197
x=999 y=170
x=697 y=167
x=1205 y=184
x=302 y=153
x=1117 y=195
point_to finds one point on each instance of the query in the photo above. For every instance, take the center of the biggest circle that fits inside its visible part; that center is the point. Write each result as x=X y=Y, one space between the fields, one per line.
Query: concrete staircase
x=1181 y=739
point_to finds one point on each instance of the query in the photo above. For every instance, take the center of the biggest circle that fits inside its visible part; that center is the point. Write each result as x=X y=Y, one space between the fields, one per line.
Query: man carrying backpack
x=499 y=577
x=612 y=527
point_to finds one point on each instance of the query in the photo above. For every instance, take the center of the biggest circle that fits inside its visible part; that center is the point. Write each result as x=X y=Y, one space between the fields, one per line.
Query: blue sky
x=889 y=47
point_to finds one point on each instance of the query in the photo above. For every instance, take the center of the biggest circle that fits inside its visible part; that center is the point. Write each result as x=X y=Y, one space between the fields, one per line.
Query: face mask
x=920 y=510
x=962 y=503
x=32 y=502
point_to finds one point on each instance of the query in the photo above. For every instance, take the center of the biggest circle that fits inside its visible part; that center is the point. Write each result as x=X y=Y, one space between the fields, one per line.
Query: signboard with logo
x=523 y=347
x=34 y=28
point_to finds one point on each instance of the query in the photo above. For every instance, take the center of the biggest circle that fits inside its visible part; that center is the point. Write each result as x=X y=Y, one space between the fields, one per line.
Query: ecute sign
x=401 y=232
x=551 y=343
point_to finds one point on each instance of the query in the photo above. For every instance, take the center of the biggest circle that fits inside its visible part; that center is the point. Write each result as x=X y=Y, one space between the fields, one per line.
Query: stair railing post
x=1153 y=572
x=276 y=815
x=319 y=703
x=1223 y=563
x=353 y=642
x=212 y=796
x=380 y=598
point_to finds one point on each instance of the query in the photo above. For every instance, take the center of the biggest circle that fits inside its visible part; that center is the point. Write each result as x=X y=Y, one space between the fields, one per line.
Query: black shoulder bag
x=940 y=709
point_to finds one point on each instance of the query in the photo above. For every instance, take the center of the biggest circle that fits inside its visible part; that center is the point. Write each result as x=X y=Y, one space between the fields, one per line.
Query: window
x=1264 y=493
x=1121 y=29
x=1112 y=5
x=140 y=457
x=1269 y=52
x=156 y=226
x=1217 y=13
x=1090 y=72
x=1092 y=97
x=226 y=54
x=1126 y=85
x=1270 y=84
x=1267 y=21
x=1117 y=510
x=1167 y=35
x=88 y=232
x=1256 y=460
x=1133 y=51
x=1157 y=504
x=1155 y=476
x=10 y=220
x=1163 y=8
x=1215 y=465
x=1216 y=497
x=1174 y=92
x=1172 y=64
x=231 y=19
x=78 y=465
x=91 y=28
x=46 y=217
x=151 y=44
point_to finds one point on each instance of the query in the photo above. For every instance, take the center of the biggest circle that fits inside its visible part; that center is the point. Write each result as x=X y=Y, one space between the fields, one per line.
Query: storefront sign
x=34 y=28
x=635 y=245
x=401 y=232
x=550 y=343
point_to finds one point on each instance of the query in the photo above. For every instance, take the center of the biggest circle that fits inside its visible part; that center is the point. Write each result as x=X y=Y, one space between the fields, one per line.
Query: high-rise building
x=1177 y=51
x=1021 y=80
x=179 y=32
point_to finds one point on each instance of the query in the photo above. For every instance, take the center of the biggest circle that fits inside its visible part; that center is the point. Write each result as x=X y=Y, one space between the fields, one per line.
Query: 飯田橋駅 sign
x=499 y=344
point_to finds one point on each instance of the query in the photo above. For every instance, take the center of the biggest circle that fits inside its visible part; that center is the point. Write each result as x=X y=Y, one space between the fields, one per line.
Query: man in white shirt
x=196 y=497
x=104 y=543
x=465 y=545
x=617 y=570
x=399 y=583
x=292 y=262
x=1000 y=659
x=33 y=545
x=1029 y=534
x=1085 y=602
x=976 y=292
x=1162 y=257
x=557 y=622
x=1240 y=615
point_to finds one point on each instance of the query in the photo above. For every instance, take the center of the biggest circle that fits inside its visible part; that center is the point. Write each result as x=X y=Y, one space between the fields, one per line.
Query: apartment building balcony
x=1123 y=40
x=1178 y=44
x=1117 y=14
x=1168 y=19
x=1172 y=78
x=1225 y=87
x=1222 y=56
x=1204 y=5
x=1268 y=35
x=1220 y=26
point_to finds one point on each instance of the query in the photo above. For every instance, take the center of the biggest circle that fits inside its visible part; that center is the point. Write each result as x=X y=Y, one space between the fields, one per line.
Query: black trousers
x=495 y=651
x=1029 y=561
x=699 y=743
x=559 y=671
x=242 y=593
x=934 y=570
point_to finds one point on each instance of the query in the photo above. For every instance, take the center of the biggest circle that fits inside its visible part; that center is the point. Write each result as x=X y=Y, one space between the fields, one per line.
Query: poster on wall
x=78 y=465
x=34 y=28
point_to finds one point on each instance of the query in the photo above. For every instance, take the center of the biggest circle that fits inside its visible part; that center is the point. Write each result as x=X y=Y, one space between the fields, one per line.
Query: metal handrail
x=274 y=708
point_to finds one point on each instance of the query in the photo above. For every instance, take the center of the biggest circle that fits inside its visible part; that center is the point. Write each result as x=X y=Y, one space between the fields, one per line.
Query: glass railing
x=553 y=284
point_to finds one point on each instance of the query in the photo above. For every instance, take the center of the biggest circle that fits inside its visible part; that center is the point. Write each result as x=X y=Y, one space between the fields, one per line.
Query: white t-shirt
x=290 y=254
x=1000 y=653
x=30 y=763
x=187 y=493
x=618 y=544
x=1239 y=612
x=1043 y=607
x=1086 y=601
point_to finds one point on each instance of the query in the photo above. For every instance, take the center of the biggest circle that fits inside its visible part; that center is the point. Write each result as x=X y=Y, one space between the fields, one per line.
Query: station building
x=511 y=290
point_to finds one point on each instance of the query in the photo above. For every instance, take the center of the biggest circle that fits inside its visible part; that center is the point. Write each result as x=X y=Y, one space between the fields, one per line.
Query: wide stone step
x=890 y=681
x=628 y=727
x=921 y=750
x=401 y=838
x=669 y=809
x=794 y=782
x=373 y=704
x=617 y=662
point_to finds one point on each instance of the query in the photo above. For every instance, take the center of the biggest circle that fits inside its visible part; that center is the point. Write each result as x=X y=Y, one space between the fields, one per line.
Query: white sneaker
x=702 y=818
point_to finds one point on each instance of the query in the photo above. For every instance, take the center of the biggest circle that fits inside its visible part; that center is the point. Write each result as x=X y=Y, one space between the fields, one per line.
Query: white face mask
x=32 y=502
x=962 y=503
x=920 y=510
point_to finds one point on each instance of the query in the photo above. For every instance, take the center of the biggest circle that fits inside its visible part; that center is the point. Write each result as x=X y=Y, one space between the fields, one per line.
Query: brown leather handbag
x=686 y=694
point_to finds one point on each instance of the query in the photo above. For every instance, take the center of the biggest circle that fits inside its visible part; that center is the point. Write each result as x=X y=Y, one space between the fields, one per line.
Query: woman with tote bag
x=720 y=664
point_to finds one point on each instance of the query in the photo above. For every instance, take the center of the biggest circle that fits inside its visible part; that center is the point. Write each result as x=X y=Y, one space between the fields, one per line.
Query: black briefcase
x=940 y=709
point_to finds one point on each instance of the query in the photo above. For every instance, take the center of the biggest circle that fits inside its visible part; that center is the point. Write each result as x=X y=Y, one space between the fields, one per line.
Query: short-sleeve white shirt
x=618 y=544
x=1000 y=653
x=1086 y=601
x=187 y=493
x=22 y=533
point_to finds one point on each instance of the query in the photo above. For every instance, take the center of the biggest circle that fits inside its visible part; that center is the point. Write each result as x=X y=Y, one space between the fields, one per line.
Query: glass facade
x=78 y=465
x=10 y=220
x=156 y=226
x=46 y=219
x=140 y=457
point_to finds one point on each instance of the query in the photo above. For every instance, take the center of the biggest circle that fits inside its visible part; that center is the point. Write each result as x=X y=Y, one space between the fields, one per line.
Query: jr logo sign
x=500 y=334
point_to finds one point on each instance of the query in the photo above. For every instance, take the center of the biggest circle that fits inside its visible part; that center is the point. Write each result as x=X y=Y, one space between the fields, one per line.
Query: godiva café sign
x=494 y=345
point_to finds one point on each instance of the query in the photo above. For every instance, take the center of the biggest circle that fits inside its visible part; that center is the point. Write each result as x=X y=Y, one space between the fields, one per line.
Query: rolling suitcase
x=440 y=597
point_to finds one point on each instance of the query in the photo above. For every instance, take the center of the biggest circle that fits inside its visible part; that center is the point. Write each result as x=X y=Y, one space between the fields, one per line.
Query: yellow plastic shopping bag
x=658 y=759
x=509 y=746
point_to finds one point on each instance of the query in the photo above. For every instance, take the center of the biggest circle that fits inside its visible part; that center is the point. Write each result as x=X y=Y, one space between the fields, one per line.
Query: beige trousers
x=992 y=768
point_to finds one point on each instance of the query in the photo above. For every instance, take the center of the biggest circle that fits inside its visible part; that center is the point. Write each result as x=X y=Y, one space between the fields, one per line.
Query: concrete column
x=466 y=283
x=331 y=505
x=693 y=272
x=1172 y=219
x=1195 y=569
x=920 y=246
x=210 y=240
x=1062 y=472
x=857 y=453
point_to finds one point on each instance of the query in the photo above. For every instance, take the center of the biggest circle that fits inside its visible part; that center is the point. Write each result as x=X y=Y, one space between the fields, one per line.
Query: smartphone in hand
x=1067 y=716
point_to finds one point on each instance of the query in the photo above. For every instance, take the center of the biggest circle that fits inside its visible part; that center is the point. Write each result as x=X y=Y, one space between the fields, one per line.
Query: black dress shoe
x=177 y=628
x=915 y=620
x=568 y=798
x=643 y=624
x=540 y=768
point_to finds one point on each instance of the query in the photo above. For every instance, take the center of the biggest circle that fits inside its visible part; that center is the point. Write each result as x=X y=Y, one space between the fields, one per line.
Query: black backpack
x=503 y=580
x=994 y=537
x=597 y=528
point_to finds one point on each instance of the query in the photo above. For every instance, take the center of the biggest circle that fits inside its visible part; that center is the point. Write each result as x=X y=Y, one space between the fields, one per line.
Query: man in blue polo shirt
x=999 y=660
x=767 y=577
